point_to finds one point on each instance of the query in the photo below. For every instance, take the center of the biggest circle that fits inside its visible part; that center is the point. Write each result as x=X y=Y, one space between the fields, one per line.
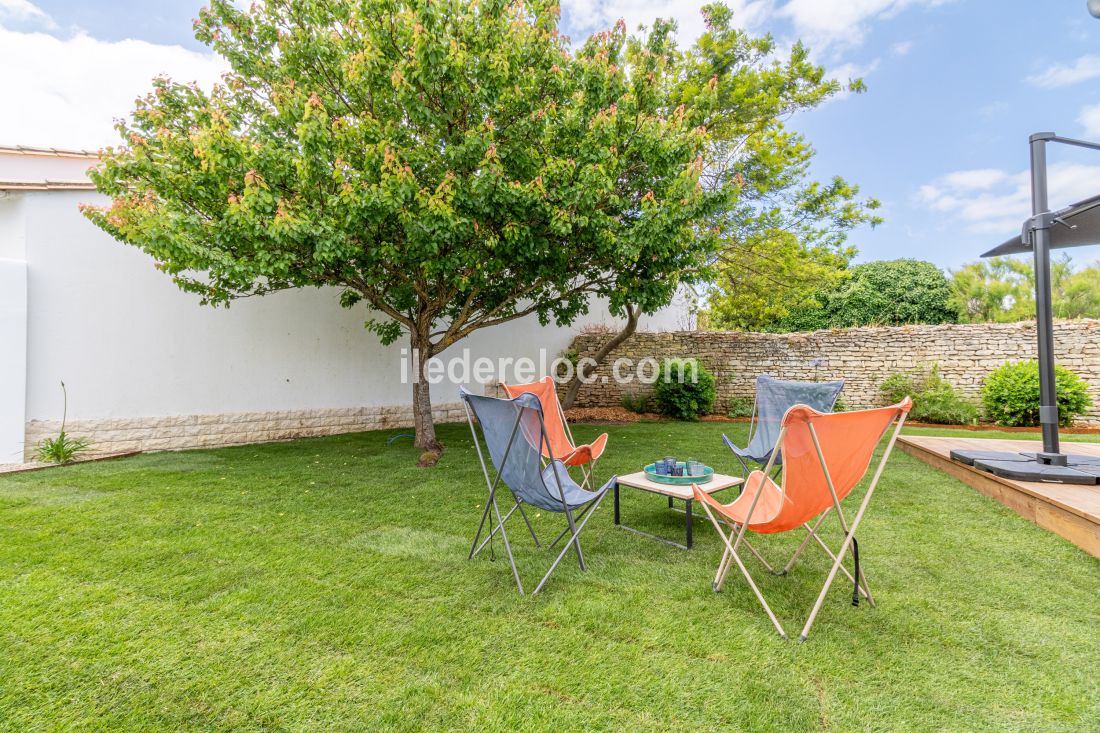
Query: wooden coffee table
x=720 y=482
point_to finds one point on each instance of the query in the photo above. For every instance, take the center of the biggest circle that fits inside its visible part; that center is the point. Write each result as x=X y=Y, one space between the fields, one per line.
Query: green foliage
x=61 y=449
x=1011 y=394
x=739 y=407
x=454 y=165
x=1002 y=290
x=636 y=402
x=783 y=234
x=935 y=400
x=685 y=389
x=882 y=293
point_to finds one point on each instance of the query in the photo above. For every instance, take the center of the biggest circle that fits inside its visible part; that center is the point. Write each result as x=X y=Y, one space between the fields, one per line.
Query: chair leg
x=507 y=546
x=864 y=588
x=798 y=552
x=534 y=536
x=484 y=516
x=731 y=550
x=580 y=515
x=576 y=541
x=492 y=534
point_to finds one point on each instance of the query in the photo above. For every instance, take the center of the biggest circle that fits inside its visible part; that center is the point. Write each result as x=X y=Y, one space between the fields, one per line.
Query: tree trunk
x=422 y=398
x=632 y=313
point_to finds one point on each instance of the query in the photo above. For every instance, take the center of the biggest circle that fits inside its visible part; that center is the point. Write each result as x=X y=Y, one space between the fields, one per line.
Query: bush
x=739 y=407
x=1011 y=394
x=635 y=402
x=935 y=400
x=884 y=293
x=685 y=390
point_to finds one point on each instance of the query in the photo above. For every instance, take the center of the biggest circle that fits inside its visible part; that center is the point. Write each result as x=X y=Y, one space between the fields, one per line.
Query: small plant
x=840 y=405
x=739 y=407
x=685 y=390
x=935 y=400
x=1011 y=394
x=61 y=449
x=635 y=402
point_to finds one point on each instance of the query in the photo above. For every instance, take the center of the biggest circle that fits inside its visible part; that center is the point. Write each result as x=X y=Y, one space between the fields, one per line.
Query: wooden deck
x=1072 y=512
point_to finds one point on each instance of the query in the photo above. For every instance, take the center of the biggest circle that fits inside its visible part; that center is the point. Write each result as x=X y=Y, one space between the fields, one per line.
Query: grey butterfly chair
x=514 y=432
x=773 y=398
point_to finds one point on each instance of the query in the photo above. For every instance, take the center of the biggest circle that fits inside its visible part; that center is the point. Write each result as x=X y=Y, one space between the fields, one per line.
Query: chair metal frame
x=732 y=544
x=576 y=524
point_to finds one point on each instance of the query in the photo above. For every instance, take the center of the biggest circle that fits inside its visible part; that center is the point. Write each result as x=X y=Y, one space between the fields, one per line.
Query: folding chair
x=825 y=456
x=514 y=430
x=561 y=443
x=773 y=398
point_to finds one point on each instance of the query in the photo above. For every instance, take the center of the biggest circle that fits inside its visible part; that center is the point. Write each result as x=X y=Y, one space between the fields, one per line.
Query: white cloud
x=21 y=11
x=901 y=48
x=1089 y=119
x=584 y=17
x=67 y=92
x=1061 y=75
x=823 y=23
x=993 y=201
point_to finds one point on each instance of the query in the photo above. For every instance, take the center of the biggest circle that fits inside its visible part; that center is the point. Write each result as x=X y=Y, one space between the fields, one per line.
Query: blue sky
x=940 y=137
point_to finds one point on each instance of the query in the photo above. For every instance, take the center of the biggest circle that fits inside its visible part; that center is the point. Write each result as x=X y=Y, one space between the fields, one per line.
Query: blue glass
x=660 y=467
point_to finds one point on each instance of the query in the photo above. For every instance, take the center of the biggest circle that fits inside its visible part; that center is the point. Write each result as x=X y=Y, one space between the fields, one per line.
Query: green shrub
x=1011 y=394
x=935 y=400
x=685 y=390
x=739 y=407
x=61 y=449
x=635 y=402
x=840 y=405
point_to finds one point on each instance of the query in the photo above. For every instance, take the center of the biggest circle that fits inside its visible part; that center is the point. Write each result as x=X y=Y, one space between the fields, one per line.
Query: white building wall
x=148 y=367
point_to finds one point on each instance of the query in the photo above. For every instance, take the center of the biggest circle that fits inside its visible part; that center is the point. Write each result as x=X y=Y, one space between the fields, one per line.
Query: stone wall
x=204 y=431
x=863 y=357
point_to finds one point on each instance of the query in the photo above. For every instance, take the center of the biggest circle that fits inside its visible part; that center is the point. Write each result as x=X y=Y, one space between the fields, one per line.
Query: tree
x=453 y=164
x=1002 y=289
x=883 y=293
x=780 y=235
x=783 y=234
x=996 y=289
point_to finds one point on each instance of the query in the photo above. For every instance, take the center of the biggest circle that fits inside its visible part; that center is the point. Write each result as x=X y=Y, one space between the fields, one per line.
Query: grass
x=323 y=585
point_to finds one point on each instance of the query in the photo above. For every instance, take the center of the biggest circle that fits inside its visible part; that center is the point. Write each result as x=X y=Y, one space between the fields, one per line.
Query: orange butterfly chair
x=559 y=436
x=824 y=456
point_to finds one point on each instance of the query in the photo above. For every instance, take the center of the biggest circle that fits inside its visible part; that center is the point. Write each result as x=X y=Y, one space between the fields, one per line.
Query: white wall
x=128 y=343
x=13 y=358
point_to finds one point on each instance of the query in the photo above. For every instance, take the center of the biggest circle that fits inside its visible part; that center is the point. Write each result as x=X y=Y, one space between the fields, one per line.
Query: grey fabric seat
x=515 y=436
x=773 y=398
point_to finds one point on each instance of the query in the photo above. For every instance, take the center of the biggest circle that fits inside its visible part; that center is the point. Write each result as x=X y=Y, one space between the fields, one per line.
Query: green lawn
x=323 y=585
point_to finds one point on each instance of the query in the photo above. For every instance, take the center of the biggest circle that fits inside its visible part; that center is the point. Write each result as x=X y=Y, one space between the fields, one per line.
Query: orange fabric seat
x=557 y=430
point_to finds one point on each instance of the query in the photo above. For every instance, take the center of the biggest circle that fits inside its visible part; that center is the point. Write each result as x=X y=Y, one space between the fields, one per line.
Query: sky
x=954 y=88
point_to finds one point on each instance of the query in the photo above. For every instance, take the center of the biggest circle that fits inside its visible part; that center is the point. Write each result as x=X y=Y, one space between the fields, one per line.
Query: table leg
x=617 y=502
x=687 y=522
x=670 y=502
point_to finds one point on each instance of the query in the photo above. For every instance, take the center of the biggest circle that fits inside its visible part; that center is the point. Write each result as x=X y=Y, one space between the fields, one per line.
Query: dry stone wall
x=863 y=357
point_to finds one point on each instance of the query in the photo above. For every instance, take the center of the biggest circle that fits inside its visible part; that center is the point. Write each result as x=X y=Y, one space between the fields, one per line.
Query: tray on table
x=652 y=475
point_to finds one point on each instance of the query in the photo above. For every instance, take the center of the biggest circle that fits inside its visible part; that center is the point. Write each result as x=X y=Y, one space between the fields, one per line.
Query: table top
x=639 y=480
